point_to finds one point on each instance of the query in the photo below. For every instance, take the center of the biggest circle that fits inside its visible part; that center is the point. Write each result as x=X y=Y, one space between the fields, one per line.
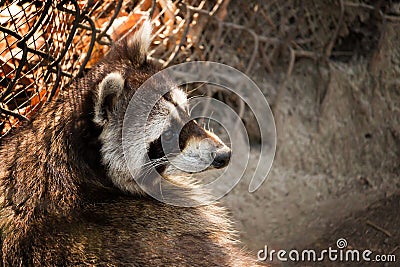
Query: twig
x=291 y=62
x=366 y=6
x=331 y=43
x=306 y=54
x=259 y=37
x=287 y=76
x=181 y=42
x=254 y=54
x=217 y=40
x=14 y=114
x=358 y=5
x=392 y=18
x=256 y=37
x=393 y=250
x=266 y=61
x=373 y=225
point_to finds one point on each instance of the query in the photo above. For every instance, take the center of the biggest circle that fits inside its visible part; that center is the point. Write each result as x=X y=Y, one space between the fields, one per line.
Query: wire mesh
x=44 y=45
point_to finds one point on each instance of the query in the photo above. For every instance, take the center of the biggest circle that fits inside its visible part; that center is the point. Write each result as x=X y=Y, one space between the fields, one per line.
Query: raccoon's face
x=180 y=144
x=174 y=144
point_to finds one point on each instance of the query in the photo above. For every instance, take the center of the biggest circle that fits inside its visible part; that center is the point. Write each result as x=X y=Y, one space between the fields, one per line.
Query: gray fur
x=67 y=199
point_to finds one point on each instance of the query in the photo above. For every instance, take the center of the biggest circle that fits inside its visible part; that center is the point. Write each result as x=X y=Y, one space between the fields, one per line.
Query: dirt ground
x=375 y=228
x=337 y=168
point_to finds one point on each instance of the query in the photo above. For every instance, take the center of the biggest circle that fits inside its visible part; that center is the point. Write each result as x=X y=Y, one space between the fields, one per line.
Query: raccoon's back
x=142 y=232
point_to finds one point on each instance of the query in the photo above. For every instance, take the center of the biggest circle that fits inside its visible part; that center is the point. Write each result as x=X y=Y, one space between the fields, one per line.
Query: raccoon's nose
x=221 y=158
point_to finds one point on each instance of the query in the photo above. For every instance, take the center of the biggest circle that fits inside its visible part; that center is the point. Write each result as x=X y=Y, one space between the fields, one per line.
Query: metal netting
x=45 y=44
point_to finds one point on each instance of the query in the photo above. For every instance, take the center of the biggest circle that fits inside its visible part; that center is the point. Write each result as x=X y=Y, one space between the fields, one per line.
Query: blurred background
x=330 y=71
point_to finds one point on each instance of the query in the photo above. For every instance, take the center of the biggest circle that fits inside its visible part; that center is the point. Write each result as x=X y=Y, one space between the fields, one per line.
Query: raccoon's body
x=125 y=231
x=67 y=197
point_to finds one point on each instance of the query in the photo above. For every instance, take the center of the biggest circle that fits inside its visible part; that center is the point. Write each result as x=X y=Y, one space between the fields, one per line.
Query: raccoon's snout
x=221 y=158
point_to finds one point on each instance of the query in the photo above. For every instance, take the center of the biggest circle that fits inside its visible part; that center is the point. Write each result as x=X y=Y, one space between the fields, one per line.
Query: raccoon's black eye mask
x=168 y=136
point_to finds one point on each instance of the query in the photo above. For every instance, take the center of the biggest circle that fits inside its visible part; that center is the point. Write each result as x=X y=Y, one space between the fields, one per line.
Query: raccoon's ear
x=140 y=42
x=107 y=95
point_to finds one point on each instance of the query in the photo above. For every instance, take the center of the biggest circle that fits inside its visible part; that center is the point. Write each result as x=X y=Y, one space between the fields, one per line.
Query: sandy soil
x=338 y=160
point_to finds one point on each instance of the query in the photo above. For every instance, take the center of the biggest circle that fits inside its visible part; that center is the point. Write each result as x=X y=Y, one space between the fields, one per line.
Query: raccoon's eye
x=167 y=135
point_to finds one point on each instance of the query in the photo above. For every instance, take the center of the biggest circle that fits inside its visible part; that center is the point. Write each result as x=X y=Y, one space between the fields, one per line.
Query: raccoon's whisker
x=150 y=168
x=153 y=163
x=146 y=164
x=171 y=155
x=145 y=167
x=198 y=87
x=159 y=159
x=195 y=96
x=147 y=171
x=209 y=119
x=191 y=109
x=149 y=165
x=161 y=192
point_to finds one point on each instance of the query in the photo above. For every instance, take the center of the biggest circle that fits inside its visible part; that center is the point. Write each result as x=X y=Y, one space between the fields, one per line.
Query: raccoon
x=67 y=197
